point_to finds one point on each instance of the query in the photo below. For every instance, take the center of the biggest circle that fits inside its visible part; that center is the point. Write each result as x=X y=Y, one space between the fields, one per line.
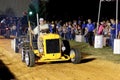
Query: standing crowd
x=88 y=29
x=12 y=26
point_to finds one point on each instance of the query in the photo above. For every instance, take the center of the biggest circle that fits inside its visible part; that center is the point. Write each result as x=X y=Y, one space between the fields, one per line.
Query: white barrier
x=12 y=44
x=98 y=41
x=116 y=49
x=79 y=38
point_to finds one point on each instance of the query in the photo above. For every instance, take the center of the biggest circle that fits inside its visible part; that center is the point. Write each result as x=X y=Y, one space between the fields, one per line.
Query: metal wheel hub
x=72 y=55
x=22 y=53
x=27 y=58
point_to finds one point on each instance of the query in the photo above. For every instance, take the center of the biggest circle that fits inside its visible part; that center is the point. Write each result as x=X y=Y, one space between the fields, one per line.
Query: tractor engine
x=50 y=45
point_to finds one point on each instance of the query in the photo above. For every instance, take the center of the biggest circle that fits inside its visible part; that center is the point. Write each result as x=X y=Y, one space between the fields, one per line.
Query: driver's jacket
x=42 y=27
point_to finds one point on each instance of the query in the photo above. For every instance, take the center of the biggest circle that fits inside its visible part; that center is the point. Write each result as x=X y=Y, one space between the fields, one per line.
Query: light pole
x=116 y=17
x=98 y=20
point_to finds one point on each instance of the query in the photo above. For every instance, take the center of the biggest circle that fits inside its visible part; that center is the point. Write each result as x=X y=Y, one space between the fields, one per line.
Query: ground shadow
x=83 y=60
x=84 y=57
x=5 y=73
x=54 y=62
x=87 y=60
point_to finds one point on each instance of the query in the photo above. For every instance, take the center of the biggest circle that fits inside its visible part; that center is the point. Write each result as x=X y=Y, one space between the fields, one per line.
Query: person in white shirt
x=40 y=31
x=43 y=27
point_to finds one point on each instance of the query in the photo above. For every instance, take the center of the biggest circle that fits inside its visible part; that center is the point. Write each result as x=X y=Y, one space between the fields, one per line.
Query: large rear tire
x=30 y=58
x=75 y=56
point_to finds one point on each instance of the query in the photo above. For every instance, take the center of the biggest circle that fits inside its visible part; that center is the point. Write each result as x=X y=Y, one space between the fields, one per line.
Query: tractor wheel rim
x=27 y=58
x=72 y=55
x=22 y=52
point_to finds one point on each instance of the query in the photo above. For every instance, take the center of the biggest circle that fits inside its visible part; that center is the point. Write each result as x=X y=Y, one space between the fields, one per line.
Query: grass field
x=105 y=53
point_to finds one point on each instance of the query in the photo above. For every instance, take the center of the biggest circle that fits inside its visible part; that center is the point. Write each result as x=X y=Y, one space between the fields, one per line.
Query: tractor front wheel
x=75 y=56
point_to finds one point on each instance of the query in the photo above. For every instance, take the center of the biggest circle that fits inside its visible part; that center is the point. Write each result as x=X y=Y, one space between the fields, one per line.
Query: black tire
x=77 y=55
x=30 y=58
x=22 y=54
x=16 y=50
x=67 y=47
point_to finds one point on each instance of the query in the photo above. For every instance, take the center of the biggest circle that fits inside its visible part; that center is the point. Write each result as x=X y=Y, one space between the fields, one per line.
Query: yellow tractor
x=53 y=49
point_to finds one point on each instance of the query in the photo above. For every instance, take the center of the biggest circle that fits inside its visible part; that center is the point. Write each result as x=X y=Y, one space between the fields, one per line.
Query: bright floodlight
x=30 y=13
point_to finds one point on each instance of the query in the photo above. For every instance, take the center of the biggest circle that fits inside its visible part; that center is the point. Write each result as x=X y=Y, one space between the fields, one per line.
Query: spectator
x=72 y=33
x=106 y=34
x=90 y=34
x=68 y=27
x=118 y=30
x=112 y=32
x=53 y=27
x=7 y=31
x=3 y=24
x=13 y=29
x=101 y=28
x=64 y=30
x=60 y=31
x=83 y=27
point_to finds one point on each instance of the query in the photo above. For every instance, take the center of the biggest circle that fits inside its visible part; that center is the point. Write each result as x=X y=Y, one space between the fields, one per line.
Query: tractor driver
x=44 y=28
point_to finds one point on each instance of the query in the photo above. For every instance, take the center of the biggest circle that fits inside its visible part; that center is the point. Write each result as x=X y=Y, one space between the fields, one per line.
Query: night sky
x=63 y=9
x=72 y=9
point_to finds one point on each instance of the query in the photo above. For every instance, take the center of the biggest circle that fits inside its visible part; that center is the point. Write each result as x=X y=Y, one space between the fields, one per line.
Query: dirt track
x=91 y=68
